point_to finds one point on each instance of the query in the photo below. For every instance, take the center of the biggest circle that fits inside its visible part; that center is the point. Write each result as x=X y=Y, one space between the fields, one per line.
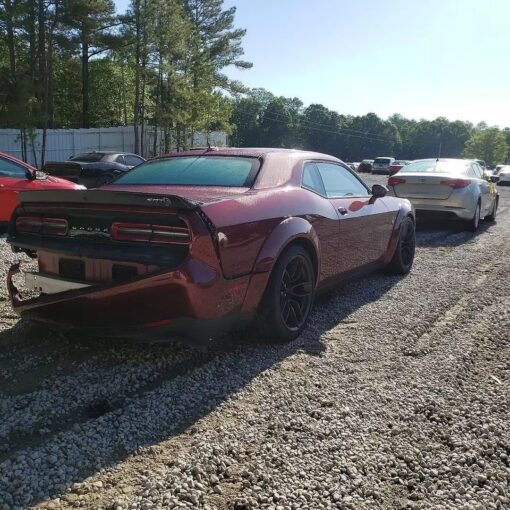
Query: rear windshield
x=195 y=171
x=89 y=157
x=382 y=161
x=434 y=166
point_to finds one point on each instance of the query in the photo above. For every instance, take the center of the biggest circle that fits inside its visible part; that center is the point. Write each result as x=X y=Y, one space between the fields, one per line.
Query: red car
x=200 y=242
x=396 y=166
x=17 y=176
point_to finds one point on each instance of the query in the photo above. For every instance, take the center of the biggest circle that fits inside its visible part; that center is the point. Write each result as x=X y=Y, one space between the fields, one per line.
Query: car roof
x=255 y=152
x=466 y=161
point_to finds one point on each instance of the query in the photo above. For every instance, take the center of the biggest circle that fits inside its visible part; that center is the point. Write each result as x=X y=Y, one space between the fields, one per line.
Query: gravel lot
x=396 y=396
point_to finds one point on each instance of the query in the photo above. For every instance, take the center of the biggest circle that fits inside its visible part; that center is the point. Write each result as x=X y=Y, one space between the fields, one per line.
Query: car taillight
x=393 y=181
x=456 y=183
x=144 y=232
x=39 y=225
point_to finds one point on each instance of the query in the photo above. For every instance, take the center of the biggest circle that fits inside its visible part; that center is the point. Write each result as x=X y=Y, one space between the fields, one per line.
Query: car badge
x=163 y=201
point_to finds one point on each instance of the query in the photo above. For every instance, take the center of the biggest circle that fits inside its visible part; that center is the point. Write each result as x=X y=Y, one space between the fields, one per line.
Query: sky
x=419 y=58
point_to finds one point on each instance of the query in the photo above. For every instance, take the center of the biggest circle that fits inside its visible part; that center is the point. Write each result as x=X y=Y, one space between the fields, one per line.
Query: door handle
x=342 y=211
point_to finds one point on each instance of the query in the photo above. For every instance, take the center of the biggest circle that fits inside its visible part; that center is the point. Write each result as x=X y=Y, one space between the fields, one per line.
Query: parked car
x=396 y=166
x=16 y=176
x=382 y=165
x=200 y=243
x=503 y=175
x=455 y=187
x=94 y=169
x=365 y=166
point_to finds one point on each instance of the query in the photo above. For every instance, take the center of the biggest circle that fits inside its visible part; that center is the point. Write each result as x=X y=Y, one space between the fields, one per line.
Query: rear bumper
x=192 y=301
x=381 y=171
x=459 y=203
x=462 y=213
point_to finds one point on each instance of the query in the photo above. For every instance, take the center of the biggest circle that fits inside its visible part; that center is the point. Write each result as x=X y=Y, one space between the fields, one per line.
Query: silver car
x=503 y=174
x=453 y=186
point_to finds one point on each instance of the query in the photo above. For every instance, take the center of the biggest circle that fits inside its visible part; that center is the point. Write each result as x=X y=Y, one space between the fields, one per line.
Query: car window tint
x=312 y=180
x=195 y=171
x=475 y=171
x=435 y=166
x=132 y=160
x=88 y=157
x=339 y=182
x=10 y=169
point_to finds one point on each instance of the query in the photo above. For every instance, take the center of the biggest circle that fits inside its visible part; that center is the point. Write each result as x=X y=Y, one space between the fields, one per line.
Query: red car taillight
x=39 y=225
x=144 y=232
x=456 y=183
x=393 y=181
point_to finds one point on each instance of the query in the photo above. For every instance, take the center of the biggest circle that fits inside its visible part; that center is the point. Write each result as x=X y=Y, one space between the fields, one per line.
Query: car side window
x=121 y=159
x=475 y=171
x=312 y=180
x=10 y=169
x=132 y=160
x=339 y=182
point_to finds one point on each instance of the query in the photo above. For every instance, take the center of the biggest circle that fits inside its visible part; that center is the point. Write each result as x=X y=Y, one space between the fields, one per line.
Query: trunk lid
x=195 y=194
x=141 y=228
x=423 y=186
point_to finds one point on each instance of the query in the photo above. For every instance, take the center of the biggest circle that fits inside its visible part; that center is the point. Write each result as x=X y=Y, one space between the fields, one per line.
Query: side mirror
x=31 y=176
x=493 y=178
x=378 y=191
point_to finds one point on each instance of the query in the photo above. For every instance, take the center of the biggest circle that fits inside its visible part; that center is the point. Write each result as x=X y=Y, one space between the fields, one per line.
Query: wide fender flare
x=405 y=210
x=289 y=230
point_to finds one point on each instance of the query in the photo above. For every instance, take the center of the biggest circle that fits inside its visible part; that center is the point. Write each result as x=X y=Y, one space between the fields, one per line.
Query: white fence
x=63 y=143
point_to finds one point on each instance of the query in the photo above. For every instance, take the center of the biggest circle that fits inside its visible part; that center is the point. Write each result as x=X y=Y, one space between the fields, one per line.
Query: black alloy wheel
x=403 y=257
x=296 y=291
x=407 y=243
x=288 y=298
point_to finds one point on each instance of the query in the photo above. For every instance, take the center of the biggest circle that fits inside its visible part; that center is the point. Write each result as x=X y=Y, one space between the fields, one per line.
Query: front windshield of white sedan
x=443 y=166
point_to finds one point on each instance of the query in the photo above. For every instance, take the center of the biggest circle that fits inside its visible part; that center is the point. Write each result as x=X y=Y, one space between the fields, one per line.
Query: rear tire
x=288 y=299
x=473 y=224
x=403 y=257
x=492 y=215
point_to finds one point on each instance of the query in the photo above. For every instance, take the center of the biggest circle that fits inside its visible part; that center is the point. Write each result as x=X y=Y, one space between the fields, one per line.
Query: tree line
x=76 y=63
x=161 y=66
x=260 y=118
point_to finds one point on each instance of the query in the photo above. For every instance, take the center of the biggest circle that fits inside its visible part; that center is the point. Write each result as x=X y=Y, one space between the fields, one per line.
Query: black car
x=93 y=169
x=366 y=166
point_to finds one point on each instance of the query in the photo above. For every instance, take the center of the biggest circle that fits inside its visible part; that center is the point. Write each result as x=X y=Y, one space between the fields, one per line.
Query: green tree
x=87 y=25
x=489 y=145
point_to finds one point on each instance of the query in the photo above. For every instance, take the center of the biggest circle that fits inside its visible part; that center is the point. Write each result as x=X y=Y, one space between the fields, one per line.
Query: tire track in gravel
x=81 y=430
x=108 y=397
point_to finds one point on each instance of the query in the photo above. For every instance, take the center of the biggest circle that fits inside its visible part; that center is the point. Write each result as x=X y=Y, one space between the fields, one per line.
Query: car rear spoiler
x=106 y=197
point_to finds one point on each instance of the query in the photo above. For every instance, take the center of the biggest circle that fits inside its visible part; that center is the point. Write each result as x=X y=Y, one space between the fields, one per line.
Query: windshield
x=434 y=166
x=195 y=171
x=90 y=157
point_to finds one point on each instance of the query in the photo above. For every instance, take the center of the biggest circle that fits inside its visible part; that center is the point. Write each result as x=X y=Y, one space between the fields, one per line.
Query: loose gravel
x=395 y=397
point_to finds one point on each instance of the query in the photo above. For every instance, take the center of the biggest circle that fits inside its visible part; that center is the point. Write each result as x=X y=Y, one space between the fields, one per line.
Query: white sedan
x=503 y=174
x=456 y=187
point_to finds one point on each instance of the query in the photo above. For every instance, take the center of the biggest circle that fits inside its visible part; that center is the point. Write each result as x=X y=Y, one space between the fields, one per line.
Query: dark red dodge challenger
x=200 y=242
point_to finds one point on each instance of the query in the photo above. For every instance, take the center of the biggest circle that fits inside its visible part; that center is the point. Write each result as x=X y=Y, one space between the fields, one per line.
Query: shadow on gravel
x=106 y=427
x=445 y=232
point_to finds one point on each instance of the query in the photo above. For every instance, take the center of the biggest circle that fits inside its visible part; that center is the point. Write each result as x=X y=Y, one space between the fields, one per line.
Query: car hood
x=50 y=182
x=201 y=194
